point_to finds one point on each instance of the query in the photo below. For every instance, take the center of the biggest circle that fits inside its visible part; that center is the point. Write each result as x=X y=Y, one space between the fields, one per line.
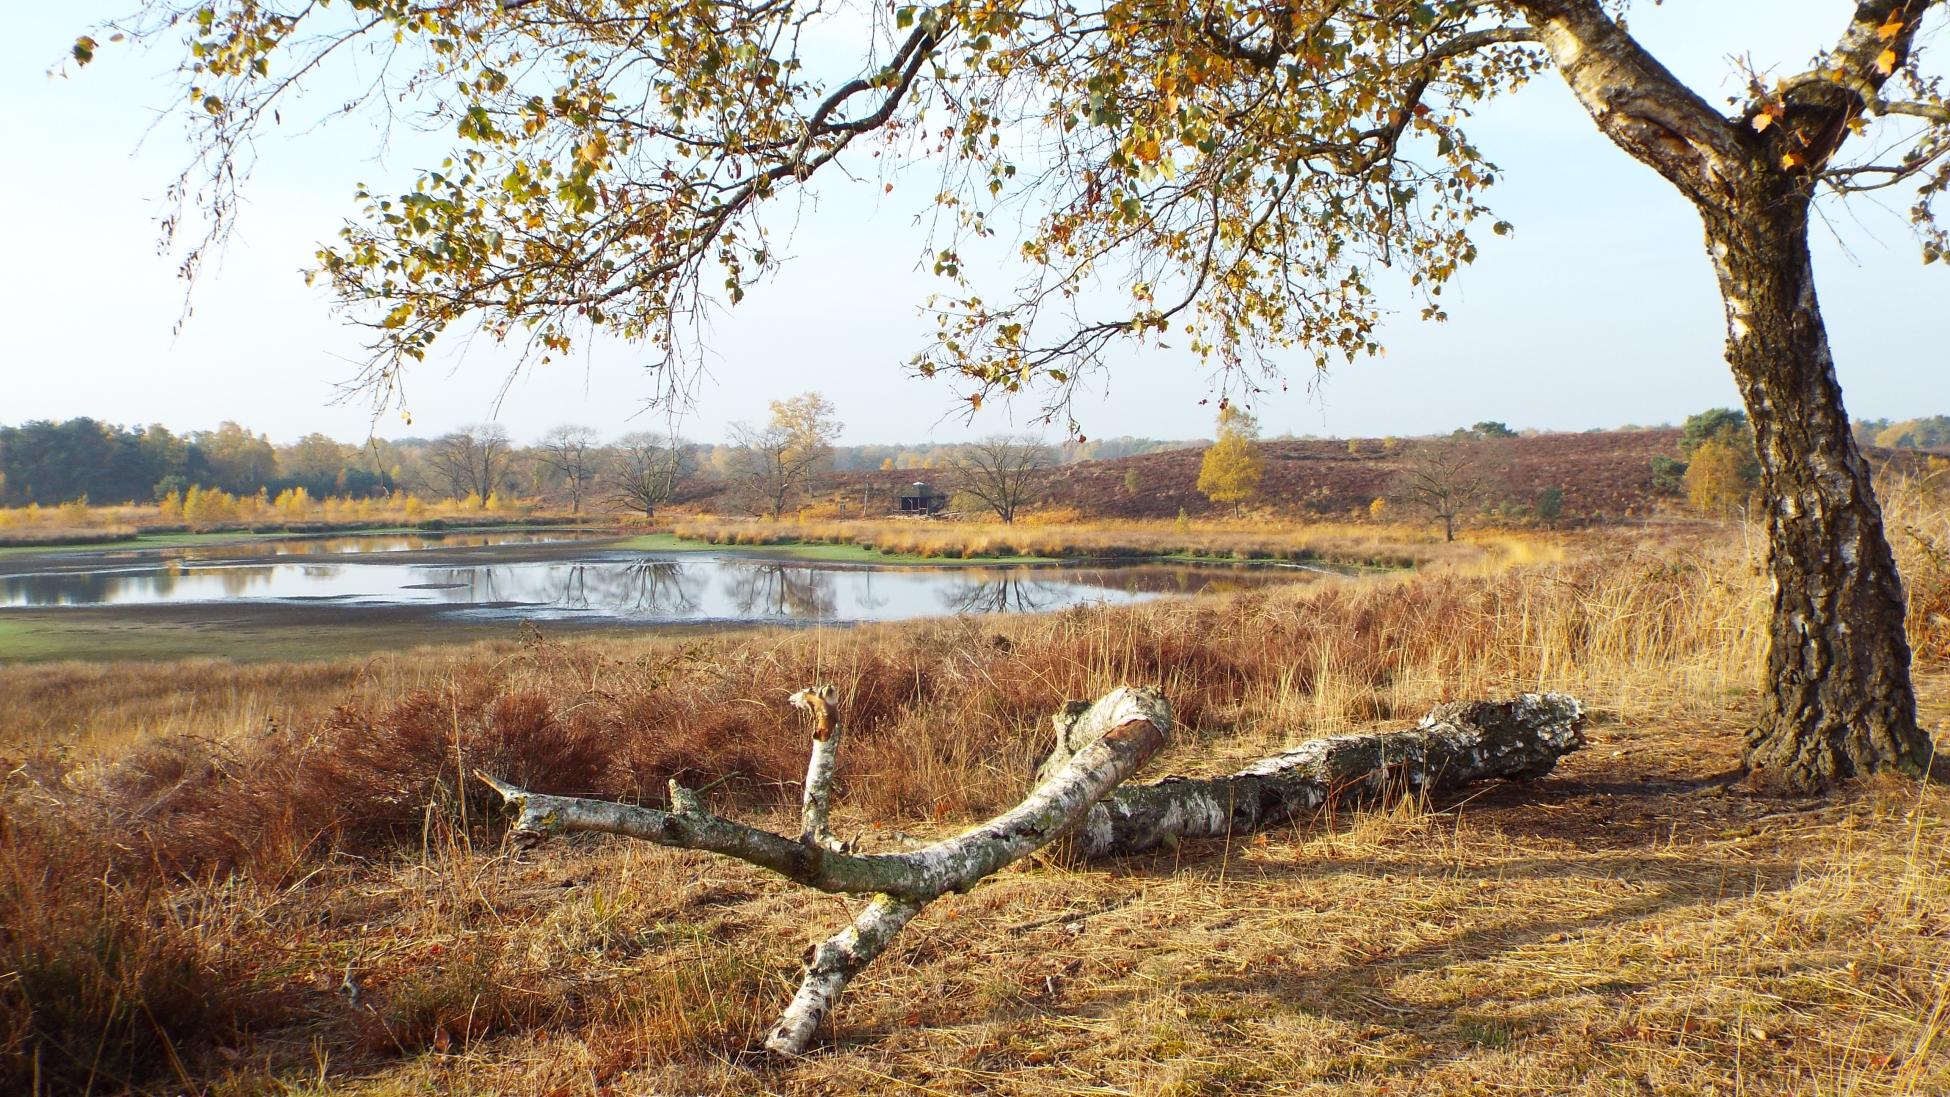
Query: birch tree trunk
x=1839 y=701
x=1838 y=695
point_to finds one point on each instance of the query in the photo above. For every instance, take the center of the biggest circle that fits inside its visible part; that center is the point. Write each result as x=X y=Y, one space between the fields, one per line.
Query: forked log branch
x=1098 y=747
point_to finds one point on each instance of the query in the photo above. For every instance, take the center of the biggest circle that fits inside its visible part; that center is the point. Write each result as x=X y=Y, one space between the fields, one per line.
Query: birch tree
x=1078 y=797
x=1230 y=471
x=1241 y=169
x=775 y=463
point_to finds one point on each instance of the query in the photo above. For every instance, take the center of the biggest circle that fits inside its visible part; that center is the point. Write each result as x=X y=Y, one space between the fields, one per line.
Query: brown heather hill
x=1603 y=475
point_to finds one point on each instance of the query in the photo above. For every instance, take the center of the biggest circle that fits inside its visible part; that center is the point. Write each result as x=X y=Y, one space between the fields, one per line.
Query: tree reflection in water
x=777 y=590
x=653 y=587
x=1008 y=592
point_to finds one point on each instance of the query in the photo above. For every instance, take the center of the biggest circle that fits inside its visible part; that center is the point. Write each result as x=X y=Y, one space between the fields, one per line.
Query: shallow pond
x=596 y=583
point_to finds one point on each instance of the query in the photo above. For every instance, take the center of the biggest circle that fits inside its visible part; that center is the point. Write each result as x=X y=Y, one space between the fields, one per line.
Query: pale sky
x=1599 y=311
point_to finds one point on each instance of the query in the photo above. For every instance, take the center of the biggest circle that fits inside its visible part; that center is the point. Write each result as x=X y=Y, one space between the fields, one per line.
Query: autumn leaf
x=1890 y=29
x=1886 y=62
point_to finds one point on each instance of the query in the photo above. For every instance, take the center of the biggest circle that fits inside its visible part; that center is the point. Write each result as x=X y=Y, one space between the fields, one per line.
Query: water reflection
x=784 y=590
x=1009 y=592
x=622 y=585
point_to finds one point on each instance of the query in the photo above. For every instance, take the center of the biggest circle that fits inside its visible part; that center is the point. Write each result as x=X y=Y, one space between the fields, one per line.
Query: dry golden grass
x=216 y=906
x=1066 y=534
x=83 y=522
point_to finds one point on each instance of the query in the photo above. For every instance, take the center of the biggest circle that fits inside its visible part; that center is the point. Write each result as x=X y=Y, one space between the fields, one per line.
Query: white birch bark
x=831 y=964
x=1454 y=745
x=822 y=703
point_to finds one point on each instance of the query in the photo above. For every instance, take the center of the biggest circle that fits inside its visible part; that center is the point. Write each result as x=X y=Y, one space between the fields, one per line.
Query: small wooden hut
x=919 y=498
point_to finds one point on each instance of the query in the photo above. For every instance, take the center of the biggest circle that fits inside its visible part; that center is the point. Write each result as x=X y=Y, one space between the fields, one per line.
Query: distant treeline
x=1930 y=433
x=49 y=463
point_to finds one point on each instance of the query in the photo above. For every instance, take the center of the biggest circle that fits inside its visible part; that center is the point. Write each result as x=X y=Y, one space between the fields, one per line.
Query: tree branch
x=1935 y=112
x=1636 y=100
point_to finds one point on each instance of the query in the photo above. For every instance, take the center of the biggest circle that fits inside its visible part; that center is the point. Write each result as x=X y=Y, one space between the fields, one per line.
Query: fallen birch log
x=1455 y=745
x=1099 y=746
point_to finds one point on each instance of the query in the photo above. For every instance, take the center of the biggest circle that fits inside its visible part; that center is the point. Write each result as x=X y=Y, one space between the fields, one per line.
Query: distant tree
x=1491 y=429
x=1550 y=505
x=472 y=461
x=1000 y=472
x=313 y=463
x=646 y=471
x=1735 y=467
x=356 y=482
x=235 y=460
x=1718 y=479
x=1445 y=480
x=1725 y=423
x=1133 y=480
x=1866 y=430
x=774 y=463
x=1668 y=474
x=1231 y=469
x=573 y=453
x=1930 y=433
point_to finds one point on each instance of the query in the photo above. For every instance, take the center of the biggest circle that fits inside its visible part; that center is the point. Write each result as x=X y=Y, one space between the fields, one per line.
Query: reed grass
x=1384 y=545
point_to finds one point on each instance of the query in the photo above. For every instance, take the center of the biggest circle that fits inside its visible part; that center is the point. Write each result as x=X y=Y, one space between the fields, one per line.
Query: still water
x=626 y=586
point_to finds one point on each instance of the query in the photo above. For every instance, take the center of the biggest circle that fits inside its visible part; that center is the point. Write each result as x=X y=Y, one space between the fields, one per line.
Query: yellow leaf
x=1791 y=160
x=1886 y=62
x=1890 y=29
x=1762 y=121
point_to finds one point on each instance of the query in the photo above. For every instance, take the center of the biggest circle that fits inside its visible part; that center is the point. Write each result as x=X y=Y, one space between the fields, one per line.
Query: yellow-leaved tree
x=1230 y=472
x=1716 y=480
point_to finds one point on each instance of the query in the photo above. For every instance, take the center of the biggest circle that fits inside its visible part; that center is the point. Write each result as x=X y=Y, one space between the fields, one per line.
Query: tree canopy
x=1244 y=168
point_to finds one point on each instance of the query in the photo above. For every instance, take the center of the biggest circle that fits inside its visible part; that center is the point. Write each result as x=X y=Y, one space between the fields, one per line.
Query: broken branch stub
x=822 y=703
